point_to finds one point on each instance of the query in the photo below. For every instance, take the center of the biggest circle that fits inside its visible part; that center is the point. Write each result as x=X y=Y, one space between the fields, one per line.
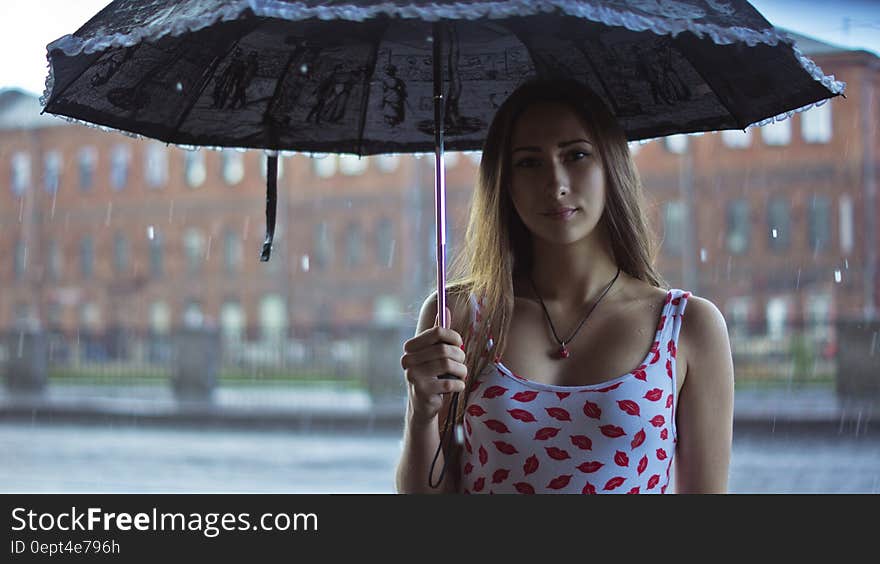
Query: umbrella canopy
x=357 y=76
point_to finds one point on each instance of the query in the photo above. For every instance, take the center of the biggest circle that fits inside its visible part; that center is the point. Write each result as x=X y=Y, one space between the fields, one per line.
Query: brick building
x=103 y=233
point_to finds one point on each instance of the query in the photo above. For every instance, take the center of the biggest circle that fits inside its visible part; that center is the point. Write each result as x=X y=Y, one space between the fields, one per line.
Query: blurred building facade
x=104 y=234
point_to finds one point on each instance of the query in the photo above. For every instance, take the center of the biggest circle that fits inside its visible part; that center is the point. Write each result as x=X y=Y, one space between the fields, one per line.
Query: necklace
x=563 y=350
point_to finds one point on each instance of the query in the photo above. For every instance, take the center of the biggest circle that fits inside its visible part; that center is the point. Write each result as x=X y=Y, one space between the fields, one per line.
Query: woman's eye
x=528 y=162
x=577 y=155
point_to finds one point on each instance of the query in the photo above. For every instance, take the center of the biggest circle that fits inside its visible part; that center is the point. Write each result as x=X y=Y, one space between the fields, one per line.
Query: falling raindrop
x=109 y=213
x=54 y=198
x=874 y=340
x=304 y=263
x=348 y=204
x=773 y=233
x=179 y=87
x=846 y=264
x=704 y=255
x=208 y=250
x=798 y=282
x=837 y=276
x=20 y=343
x=171 y=211
x=391 y=253
x=430 y=39
x=151 y=233
x=20 y=209
x=304 y=69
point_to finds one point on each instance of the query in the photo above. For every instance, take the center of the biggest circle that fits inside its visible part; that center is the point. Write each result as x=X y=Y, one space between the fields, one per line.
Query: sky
x=29 y=25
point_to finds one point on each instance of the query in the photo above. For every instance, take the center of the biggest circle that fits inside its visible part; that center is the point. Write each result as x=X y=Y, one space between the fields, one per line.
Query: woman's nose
x=558 y=179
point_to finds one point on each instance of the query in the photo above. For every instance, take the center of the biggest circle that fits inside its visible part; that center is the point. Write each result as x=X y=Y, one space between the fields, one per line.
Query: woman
x=577 y=372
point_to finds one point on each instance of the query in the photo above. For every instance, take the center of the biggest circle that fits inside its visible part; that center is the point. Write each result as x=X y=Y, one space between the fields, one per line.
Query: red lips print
x=621 y=459
x=500 y=475
x=635 y=490
x=612 y=431
x=658 y=421
x=531 y=465
x=638 y=439
x=524 y=396
x=628 y=406
x=505 y=448
x=522 y=415
x=563 y=395
x=592 y=410
x=670 y=347
x=613 y=483
x=524 y=488
x=609 y=388
x=478 y=485
x=583 y=442
x=558 y=413
x=559 y=482
x=496 y=426
x=546 y=433
x=653 y=395
x=661 y=454
x=640 y=373
x=484 y=456
x=655 y=348
x=475 y=410
x=468 y=468
x=557 y=453
x=590 y=467
x=494 y=392
x=653 y=481
x=669 y=368
x=643 y=463
x=589 y=489
x=664 y=434
x=669 y=400
x=662 y=322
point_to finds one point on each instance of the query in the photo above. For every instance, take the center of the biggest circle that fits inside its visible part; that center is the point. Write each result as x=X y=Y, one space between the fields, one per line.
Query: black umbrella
x=369 y=77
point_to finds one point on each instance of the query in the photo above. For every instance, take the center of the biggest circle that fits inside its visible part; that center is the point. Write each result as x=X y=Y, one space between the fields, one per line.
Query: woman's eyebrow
x=532 y=148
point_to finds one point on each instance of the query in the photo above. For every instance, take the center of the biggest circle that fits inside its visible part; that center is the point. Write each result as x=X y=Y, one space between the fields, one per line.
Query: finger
x=435 y=352
x=448 y=318
x=433 y=336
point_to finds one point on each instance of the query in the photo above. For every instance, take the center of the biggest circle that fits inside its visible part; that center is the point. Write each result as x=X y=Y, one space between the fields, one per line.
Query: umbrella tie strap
x=271 y=205
x=449 y=417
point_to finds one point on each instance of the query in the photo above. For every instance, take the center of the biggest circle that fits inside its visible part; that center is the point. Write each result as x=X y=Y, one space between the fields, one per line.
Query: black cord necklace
x=563 y=350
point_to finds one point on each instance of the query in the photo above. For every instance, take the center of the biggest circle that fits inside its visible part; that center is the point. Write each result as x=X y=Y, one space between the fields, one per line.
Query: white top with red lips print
x=618 y=436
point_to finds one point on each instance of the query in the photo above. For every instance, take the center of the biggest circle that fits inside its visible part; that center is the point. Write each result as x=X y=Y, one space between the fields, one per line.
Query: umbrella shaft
x=439 y=173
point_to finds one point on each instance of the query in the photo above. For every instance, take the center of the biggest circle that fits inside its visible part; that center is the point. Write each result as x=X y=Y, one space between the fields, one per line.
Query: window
x=20 y=260
x=21 y=173
x=816 y=124
x=232 y=251
x=232 y=321
x=777 y=317
x=777 y=133
x=232 y=166
x=119 y=164
x=157 y=266
x=273 y=318
x=352 y=165
x=779 y=223
x=354 y=251
x=54 y=261
x=738 y=311
x=194 y=249
x=194 y=168
x=160 y=318
x=87 y=257
x=52 y=171
x=87 y=160
x=385 y=242
x=818 y=315
x=846 y=223
x=323 y=253
x=388 y=163
x=193 y=318
x=676 y=143
x=324 y=167
x=737 y=138
x=737 y=226
x=156 y=165
x=90 y=316
x=475 y=156
x=819 y=223
x=674 y=216
x=121 y=253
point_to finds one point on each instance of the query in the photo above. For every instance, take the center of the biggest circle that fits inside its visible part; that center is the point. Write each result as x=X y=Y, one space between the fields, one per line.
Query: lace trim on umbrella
x=659 y=25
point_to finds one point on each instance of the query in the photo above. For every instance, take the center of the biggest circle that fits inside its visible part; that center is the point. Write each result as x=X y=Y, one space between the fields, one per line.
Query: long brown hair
x=497 y=244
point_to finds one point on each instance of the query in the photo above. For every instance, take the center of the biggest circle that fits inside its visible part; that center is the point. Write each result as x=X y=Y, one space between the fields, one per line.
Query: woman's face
x=555 y=166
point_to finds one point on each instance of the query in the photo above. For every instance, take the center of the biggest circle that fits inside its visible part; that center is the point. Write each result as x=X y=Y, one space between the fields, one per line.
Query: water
x=86 y=458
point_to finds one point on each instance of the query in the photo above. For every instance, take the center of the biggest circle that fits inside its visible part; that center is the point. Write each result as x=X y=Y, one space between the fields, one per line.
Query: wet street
x=75 y=458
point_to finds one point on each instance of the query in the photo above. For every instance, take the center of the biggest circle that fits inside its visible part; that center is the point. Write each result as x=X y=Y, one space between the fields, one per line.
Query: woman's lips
x=562 y=215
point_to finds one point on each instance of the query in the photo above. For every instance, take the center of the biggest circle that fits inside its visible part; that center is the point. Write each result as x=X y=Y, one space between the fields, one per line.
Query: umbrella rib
x=365 y=99
x=55 y=96
x=737 y=119
x=206 y=78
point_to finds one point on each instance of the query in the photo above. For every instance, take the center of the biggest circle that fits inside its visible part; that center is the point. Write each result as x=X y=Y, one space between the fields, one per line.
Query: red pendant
x=563 y=352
